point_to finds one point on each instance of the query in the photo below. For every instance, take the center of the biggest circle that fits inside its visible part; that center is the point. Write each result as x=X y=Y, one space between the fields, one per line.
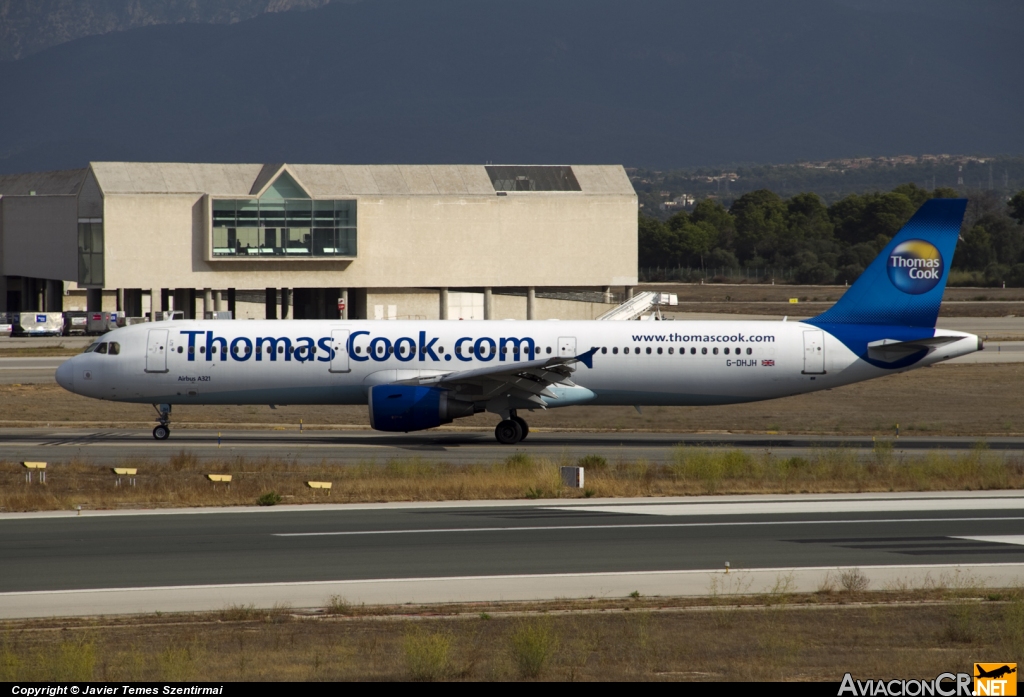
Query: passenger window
x=202 y=349
x=726 y=351
x=670 y=350
x=615 y=350
x=191 y=350
x=549 y=349
x=115 y=348
x=659 y=350
x=715 y=350
x=181 y=349
x=636 y=349
x=604 y=349
x=749 y=351
x=440 y=349
x=648 y=350
x=102 y=348
x=737 y=351
x=704 y=350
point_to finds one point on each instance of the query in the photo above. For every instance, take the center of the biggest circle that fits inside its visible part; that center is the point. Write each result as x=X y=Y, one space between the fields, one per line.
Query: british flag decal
x=768 y=362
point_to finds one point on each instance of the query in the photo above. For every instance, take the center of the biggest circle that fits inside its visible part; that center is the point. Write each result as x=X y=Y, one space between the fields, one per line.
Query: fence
x=686 y=274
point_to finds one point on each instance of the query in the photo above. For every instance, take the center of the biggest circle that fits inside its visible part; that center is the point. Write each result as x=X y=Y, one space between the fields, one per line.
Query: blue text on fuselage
x=304 y=348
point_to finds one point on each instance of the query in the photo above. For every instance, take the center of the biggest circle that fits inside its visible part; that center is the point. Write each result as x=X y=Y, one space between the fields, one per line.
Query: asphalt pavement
x=105 y=446
x=61 y=563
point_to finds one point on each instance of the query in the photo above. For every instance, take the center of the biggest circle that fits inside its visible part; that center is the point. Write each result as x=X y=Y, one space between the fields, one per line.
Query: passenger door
x=156 y=351
x=339 y=355
x=814 y=352
x=566 y=346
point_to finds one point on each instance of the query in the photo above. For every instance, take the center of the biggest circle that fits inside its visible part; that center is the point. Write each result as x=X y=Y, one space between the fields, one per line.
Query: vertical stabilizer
x=903 y=286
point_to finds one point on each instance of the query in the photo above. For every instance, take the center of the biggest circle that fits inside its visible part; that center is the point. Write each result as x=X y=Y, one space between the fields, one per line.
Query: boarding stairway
x=632 y=308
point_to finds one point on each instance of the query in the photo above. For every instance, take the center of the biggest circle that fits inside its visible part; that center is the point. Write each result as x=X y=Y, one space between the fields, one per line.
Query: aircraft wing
x=526 y=380
x=893 y=350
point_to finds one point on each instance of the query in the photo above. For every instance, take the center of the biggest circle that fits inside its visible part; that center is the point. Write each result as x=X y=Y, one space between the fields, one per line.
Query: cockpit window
x=102 y=348
x=92 y=347
x=115 y=348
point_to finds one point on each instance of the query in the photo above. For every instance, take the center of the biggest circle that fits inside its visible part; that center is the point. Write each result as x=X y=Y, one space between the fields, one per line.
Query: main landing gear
x=511 y=430
x=163 y=429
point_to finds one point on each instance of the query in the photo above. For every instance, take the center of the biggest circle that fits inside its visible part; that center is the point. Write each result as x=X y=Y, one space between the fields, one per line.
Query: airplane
x=416 y=375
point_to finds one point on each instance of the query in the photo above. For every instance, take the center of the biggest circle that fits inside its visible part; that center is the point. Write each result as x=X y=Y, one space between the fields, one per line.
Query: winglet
x=587 y=358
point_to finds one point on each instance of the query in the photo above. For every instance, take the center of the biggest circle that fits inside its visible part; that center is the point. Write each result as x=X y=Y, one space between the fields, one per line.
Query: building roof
x=58 y=183
x=324 y=181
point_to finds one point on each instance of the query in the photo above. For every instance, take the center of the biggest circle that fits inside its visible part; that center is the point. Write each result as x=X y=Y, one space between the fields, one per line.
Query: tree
x=807 y=218
x=915 y=194
x=698 y=239
x=760 y=219
x=975 y=251
x=1016 y=206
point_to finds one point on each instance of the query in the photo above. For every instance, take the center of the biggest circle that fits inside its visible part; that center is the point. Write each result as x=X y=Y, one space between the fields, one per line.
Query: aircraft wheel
x=161 y=432
x=508 y=432
x=523 y=426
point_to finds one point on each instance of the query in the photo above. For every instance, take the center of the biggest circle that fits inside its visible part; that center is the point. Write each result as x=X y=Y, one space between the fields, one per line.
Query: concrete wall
x=538 y=239
x=426 y=305
x=40 y=236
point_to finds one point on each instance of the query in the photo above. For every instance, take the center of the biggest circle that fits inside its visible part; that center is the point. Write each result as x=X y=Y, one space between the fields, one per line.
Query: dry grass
x=181 y=480
x=986 y=404
x=806 y=637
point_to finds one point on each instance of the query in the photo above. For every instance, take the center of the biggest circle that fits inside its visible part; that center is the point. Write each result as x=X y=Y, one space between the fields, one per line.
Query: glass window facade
x=283 y=228
x=90 y=251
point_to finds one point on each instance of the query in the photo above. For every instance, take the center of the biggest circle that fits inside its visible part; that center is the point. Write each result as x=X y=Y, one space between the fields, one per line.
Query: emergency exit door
x=156 y=351
x=339 y=352
x=566 y=346
x=814 y=352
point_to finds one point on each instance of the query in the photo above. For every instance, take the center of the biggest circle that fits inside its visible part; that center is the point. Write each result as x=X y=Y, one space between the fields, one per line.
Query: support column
x=443 y=314
x=286 y=303
x=531 y=303
x=607 y=294
x=231 y=303
x=488 y=304
x=94 y=300
x=629 y=292
x=347 y=310
x=207 y=301
x=155 y=304
x=271 y=303
x=55 y=296
x=218 y=301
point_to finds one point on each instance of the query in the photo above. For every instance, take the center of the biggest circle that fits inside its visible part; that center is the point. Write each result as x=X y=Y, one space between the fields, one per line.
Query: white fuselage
x=667 y=363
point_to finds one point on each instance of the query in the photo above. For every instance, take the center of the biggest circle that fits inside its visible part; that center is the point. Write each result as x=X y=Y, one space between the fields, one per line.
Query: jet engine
x=413 y=408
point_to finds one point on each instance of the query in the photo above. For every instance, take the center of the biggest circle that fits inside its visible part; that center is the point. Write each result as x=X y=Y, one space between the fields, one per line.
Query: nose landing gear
x=511 y=430
x=163 y=429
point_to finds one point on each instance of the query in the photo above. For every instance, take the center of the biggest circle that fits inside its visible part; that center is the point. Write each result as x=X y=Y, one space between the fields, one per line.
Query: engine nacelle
x=413 y=408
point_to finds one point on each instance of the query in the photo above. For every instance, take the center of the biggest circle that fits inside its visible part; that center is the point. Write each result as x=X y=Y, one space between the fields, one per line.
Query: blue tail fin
x=903 y=286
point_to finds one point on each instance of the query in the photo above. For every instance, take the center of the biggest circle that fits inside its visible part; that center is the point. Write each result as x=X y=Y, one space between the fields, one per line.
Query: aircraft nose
x=65 y=375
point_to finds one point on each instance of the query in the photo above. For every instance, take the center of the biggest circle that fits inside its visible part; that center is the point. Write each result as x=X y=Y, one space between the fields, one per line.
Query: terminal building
x=317 y=241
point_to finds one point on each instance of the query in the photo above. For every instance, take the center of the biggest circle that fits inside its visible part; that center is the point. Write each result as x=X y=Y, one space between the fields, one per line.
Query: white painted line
x=1002 y=539
x=716 y=524
x=832 y=506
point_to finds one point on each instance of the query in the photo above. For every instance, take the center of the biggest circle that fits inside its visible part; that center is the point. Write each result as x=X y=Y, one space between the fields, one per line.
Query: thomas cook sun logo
x=915 y=266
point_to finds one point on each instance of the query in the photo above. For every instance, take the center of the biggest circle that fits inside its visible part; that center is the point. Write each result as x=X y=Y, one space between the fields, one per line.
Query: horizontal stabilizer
x=892 y=350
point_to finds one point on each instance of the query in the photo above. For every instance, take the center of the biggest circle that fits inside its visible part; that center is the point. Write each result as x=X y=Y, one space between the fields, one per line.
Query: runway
x=59 y=563
x=353 y=446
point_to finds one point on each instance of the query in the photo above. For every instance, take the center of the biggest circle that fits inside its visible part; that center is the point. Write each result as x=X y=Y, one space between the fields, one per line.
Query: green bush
x=532 y=644
x=427 y=654
x=270 y=498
